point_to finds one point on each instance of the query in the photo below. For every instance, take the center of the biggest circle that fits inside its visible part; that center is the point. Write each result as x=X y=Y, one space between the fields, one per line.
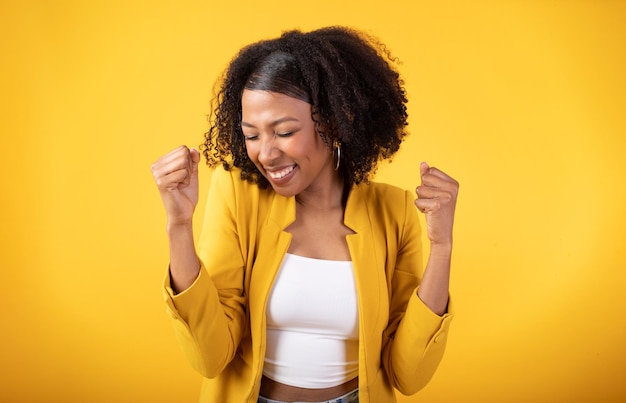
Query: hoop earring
x=337 y=153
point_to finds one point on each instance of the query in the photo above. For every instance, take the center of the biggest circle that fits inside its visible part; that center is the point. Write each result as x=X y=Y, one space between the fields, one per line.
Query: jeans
x=350 y=397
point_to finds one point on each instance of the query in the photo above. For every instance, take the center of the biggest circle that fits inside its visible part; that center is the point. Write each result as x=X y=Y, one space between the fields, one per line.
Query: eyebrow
x=273 y=123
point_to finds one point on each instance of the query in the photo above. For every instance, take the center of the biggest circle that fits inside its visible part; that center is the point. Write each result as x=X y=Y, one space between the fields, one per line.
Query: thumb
x=195 y=159
x=423 y=168
x=195 y=156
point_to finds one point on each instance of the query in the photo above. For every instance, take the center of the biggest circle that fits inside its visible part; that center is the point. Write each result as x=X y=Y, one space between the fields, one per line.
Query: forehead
x=259 y=104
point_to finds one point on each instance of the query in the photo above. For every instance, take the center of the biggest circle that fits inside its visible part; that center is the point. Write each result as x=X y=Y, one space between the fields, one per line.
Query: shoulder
x=245 y=203
x=387 y=205
x=382 y=194
x=387 y=211
x=229 y=181
x=229 y=177
x=225 y=187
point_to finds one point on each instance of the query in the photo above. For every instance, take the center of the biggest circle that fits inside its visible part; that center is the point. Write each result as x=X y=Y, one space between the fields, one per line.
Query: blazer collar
x=282 y=211
x=357 y=215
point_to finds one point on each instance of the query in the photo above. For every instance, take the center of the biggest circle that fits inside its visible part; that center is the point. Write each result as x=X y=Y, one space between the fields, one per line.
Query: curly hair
x=357 y=96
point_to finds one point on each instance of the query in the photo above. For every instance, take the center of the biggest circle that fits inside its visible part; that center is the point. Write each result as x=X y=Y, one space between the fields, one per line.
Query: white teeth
x=280 y=174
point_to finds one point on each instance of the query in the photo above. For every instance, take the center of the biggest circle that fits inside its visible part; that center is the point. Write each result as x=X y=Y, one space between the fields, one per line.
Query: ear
x=323 y=126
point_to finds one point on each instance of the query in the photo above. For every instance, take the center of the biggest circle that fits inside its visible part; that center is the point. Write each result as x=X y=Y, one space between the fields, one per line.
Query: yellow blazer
x=220 y=320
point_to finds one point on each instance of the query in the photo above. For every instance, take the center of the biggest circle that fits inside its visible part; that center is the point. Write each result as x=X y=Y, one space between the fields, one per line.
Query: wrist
x=178 y=223
x=443 y=249
x=177 y=229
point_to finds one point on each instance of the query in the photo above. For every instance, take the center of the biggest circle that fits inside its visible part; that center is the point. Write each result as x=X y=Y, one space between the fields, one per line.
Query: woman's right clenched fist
x=176 y=176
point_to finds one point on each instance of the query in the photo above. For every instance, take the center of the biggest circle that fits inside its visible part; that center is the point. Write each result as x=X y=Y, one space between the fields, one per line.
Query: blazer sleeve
x=209 y=317
x=416 y=336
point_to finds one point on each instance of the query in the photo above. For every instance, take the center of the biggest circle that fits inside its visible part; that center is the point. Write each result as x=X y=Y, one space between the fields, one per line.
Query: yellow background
x=522 y=101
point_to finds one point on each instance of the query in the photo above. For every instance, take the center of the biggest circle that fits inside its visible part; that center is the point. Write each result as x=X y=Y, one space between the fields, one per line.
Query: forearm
x=435 y=284
x=184 y=263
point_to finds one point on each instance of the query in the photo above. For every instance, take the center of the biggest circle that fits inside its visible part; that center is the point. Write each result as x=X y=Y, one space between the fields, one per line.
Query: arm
x=437 y=200
x=206 y=303
x=176 y=176
x=421 y=318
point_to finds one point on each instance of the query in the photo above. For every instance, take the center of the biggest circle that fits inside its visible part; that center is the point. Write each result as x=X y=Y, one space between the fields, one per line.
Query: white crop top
x=312 y=324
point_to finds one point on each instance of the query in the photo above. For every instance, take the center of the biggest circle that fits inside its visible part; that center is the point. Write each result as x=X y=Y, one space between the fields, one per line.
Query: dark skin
x=282 y=142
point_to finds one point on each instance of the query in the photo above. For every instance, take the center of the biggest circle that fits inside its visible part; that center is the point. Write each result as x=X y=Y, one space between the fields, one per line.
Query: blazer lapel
x=367 y=258
x=273 y=243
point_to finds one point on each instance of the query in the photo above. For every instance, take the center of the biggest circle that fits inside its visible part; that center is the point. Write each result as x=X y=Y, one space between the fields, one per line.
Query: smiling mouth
x=280 y=174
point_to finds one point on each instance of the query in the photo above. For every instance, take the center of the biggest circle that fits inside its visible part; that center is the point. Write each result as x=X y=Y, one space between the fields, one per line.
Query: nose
x=267 y=150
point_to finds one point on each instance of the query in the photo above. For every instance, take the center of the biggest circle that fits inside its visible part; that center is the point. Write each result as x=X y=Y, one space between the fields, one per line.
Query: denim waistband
x=350 y=397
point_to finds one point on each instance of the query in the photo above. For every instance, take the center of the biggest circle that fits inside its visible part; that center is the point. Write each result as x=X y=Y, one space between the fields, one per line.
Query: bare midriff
x=279 y=391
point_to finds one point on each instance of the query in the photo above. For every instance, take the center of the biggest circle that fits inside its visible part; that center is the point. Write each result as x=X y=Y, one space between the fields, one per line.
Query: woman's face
x=282 y=142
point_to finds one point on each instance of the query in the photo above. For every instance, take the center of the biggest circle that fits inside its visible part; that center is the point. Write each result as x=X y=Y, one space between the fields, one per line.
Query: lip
x=284 y=179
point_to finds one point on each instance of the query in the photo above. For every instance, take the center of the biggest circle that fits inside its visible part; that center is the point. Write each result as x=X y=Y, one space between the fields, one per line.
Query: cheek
x=321 y=149
x=253 y=154
x=314 y=147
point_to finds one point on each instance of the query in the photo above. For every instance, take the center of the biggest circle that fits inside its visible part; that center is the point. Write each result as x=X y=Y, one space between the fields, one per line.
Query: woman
x=307 y=283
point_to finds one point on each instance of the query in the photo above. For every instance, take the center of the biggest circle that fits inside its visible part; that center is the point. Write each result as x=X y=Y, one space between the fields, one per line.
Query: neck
x=323 y=198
